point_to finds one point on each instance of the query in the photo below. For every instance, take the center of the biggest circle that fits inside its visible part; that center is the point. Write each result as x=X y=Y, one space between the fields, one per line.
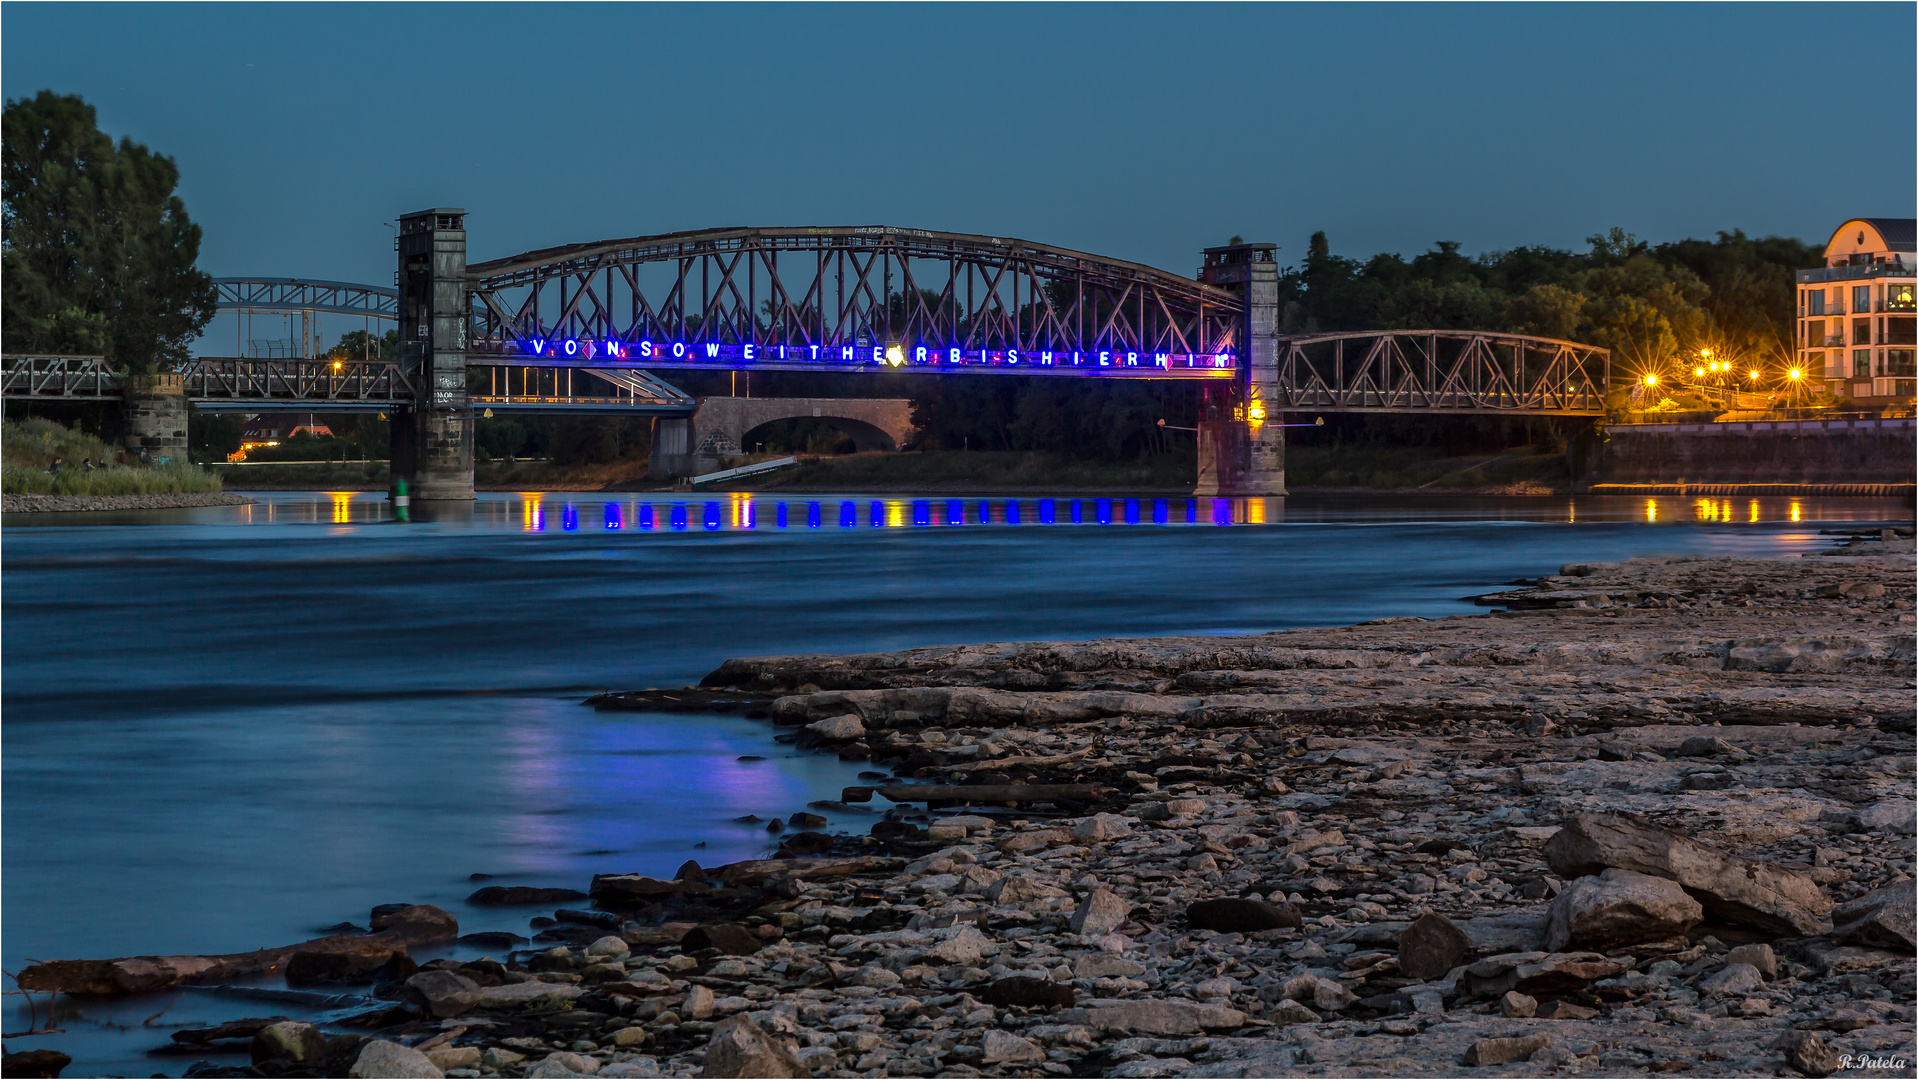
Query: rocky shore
x=1653 y=817
x=40 y=504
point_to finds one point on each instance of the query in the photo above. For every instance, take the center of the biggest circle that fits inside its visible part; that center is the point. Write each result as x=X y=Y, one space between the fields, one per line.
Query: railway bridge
x=590 y=327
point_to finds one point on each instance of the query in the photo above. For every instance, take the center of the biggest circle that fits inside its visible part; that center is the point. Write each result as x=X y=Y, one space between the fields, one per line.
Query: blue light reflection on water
x=322 y=710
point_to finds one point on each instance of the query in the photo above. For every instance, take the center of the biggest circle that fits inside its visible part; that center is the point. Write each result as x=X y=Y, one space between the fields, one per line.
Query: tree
x=98 y=250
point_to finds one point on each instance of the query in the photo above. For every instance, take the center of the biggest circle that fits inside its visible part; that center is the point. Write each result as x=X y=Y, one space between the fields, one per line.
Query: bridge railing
x=214 y=381
x=72 y=378
x=1442 y=371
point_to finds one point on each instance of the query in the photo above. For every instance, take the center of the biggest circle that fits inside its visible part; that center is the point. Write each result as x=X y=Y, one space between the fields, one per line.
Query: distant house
x=1857 y=323
x=272 y=429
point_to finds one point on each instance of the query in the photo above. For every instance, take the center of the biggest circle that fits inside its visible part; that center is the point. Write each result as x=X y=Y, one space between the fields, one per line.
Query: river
x=228 y=727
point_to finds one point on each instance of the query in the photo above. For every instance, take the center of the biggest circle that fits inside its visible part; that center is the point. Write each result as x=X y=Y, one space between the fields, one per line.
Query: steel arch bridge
x=803 y=299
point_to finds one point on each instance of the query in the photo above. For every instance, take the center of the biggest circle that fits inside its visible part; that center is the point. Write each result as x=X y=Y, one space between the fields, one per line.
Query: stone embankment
x=1652 y=817
x=39 y=504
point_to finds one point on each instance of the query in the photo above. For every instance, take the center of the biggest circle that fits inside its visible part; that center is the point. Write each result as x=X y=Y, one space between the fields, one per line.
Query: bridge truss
x=1441 y=371
x=807 y=299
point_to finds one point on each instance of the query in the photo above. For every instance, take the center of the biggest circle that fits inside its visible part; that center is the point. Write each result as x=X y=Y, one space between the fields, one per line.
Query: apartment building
x=1856 y=316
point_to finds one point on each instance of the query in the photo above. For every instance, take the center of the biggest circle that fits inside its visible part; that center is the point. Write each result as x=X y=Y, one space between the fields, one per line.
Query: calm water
x=228 y=727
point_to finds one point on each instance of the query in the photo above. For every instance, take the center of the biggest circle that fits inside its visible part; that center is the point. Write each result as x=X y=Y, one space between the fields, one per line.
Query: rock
x=1101 y=827
x=732 y=939
x=978 y=880
x=1565 y=1010
x=1536 y=973
x=739 y=1048
x=561 y=1063
x=443 y=993
x=1706 y=746
x=1733 y=980
x=630 y=1036
x=1291 y=1012
x=455 y=1057
x=1240 y=916
x=1738 y=890
x=1101 y=912
x=419 y=922
x=1502 y=1051
x=1517 y=1005
x=1105 y=966
x=289 y=1042
x=1432 y=946
x=804 y=820
x=1807 y=1052
x=1758 y=956
x=1024 y=992
x=521 y=995
x=961 y=947
x=838 y=728
x=328 y=968
x=1184 y=808
x=1619 y=907
x=514 y=895
x=380 y=1058
x=1884 y=918
x=1154 y=1017
x=1894 y=815
x=40 y=1063
x=612 y=945
x=698 y=1004
x=1020 y=890
x=1005 y=1048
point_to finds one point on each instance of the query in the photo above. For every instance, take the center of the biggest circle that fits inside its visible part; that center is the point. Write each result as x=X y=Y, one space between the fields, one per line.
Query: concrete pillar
x=156 y=411
x=438 y=458
x=1241 y=445
x=672 y=453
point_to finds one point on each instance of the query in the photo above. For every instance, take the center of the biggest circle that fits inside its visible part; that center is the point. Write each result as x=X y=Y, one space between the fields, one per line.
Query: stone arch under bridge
x=721 y=428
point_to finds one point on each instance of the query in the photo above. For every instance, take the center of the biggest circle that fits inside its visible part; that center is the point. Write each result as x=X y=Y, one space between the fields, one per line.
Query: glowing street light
x=1651 y=380
x=1795 y=374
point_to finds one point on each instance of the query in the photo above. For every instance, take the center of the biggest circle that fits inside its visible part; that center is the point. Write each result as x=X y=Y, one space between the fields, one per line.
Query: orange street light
x=1651 y=380
x=1753 y=375
x=1795 y=374
x=1698 y=372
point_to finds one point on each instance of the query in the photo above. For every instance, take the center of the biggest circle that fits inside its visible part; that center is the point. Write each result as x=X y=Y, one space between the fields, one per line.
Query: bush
x=28 y=448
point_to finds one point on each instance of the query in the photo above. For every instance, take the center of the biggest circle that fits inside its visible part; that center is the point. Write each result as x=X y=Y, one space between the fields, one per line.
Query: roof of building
x=1897 y=231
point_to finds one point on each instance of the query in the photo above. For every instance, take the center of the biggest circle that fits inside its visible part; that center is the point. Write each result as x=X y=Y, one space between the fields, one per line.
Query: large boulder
x=1884 y=918
x=838 y=728
x=382 y=1059
x=289 y=1042
x=442 y=993
x=1153 y=1017
x=1432 y=946
x=732 y=939
x=739 y=1047
x=1743 y=891
x=1619 y=907
x=418 y=922
x=1101 y=912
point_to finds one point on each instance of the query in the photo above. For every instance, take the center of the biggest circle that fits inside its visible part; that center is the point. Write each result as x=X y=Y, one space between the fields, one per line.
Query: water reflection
x=742 y=511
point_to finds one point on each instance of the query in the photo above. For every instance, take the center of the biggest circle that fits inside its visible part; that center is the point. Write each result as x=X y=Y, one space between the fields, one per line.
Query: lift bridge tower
x=433 y=440
x=1241 y=447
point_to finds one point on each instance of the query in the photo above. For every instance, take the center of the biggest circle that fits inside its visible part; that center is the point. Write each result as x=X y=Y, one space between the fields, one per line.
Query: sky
x=1139 y=131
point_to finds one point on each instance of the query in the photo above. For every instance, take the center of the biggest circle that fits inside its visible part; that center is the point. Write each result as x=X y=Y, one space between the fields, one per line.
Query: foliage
x=99 y=252
x=28 y=449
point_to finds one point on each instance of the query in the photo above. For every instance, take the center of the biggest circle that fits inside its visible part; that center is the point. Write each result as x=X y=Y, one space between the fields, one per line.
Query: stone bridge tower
x=433 y=440
x=1241 y=445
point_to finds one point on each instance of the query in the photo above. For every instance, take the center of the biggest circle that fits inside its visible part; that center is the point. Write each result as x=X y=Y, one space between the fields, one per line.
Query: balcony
x=1857 y=273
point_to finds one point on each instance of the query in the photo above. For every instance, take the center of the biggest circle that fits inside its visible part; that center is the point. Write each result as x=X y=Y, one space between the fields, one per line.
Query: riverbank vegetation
x=29 y=449
x=521 y=475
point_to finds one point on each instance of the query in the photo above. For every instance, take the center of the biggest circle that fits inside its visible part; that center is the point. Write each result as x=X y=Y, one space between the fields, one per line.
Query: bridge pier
x=1241 y=448
x=433 y=440
x=156 y=413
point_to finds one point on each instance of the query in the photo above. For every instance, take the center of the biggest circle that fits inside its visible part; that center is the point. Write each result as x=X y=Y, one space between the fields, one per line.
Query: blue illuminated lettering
x=878 y=354
x=845 y=352
x=815 y=352
x=1076 y=361
x=1132 y=359
x=572 y=347
x=679 y=349
x=782 y=352
x=982 y=356
x=539 y=345
x=712 y=349
x=952 y=355
x=1012 y=356
x=748 y=353
x=1159 y=359
x=645 y=348
x=1045 y=358
x=919 y=355
x=1105 y=359
x=1222 y=360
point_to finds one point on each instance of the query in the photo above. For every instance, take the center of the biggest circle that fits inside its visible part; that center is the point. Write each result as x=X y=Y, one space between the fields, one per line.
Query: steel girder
x=222 y=384
x=69 y=378
x=260 y=294
x=795 y=298
x=1441 y=371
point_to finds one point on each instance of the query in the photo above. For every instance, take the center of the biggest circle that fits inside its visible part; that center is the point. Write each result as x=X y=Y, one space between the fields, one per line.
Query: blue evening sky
x=1141 y=131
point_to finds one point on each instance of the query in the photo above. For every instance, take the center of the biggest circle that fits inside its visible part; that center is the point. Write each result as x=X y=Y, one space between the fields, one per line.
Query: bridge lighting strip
x=897 y=356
